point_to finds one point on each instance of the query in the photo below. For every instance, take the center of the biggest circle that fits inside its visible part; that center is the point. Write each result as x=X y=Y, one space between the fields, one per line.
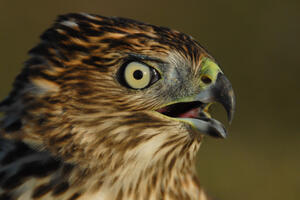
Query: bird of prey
x=108 y=108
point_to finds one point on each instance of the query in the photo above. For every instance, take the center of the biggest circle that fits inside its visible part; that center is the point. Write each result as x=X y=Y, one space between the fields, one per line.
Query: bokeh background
x=257 y=44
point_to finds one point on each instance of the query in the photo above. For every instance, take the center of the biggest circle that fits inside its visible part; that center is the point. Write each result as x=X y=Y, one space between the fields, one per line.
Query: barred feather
x=71 y=131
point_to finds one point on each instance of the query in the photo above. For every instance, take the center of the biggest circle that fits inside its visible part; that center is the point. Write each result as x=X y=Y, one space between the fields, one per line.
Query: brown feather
x=85 y=135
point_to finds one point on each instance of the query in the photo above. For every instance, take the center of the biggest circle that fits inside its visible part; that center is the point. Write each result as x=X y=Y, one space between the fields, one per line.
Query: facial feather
x=68 y=105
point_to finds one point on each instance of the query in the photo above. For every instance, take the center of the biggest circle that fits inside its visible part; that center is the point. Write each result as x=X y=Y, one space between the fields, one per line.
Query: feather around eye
x=137 y=75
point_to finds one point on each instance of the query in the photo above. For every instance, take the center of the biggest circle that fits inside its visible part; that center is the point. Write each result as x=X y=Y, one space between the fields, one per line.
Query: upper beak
x=217 y=89
x=220 y=91
x=213 y=87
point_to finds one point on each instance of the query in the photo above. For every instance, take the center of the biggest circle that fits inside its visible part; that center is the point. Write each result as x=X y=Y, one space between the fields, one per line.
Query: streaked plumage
x=76 y=127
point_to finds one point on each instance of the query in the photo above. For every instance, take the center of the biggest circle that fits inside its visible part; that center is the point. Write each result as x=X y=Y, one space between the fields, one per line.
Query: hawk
x=109 y=108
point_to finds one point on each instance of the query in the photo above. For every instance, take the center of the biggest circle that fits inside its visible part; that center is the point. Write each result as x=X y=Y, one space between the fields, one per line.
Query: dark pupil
x=138 y=74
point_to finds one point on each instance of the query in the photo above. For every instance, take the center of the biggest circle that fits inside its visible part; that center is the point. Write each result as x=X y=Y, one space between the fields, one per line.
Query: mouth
x=196 y=114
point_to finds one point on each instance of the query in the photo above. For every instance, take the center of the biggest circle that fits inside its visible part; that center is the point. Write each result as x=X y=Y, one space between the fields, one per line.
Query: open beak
x=221 y=91
x=195 y=112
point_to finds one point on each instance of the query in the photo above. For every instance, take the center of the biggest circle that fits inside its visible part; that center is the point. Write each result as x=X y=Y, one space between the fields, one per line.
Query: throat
x=159 y=174
x=173 y=185
x=150 y=164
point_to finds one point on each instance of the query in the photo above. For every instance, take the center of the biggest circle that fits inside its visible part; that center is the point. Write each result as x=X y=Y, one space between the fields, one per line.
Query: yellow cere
x=210 y=69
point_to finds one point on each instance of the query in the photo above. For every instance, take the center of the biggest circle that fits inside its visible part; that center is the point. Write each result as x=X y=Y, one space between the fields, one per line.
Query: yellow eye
x=137 y=75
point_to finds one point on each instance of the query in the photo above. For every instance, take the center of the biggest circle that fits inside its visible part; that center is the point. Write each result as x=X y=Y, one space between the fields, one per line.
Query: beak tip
x=224 y=94
x=230 y=116
x=223 y=134
x=232 y=110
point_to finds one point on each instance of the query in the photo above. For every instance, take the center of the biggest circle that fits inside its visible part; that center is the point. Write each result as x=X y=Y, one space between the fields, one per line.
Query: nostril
x=206 y=79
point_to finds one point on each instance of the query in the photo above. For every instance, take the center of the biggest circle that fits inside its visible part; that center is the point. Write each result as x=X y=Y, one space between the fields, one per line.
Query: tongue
x=191 y=113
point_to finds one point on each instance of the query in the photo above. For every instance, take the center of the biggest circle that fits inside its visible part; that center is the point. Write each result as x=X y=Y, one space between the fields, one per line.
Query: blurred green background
x=257 y=45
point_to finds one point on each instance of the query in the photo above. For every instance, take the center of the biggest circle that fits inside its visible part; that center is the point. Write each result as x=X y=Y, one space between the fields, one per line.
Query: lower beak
x=220 y=91
x=215 y=87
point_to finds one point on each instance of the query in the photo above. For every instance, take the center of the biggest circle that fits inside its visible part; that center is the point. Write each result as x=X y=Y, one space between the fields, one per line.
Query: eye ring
x=137 y=75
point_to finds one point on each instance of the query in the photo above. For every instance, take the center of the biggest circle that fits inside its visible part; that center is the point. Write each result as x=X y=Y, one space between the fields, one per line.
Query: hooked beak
x=215 y=87
x=221 y=91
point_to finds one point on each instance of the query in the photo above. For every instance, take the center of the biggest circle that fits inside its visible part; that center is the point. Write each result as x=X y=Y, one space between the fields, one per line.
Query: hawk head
x=123 y=98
